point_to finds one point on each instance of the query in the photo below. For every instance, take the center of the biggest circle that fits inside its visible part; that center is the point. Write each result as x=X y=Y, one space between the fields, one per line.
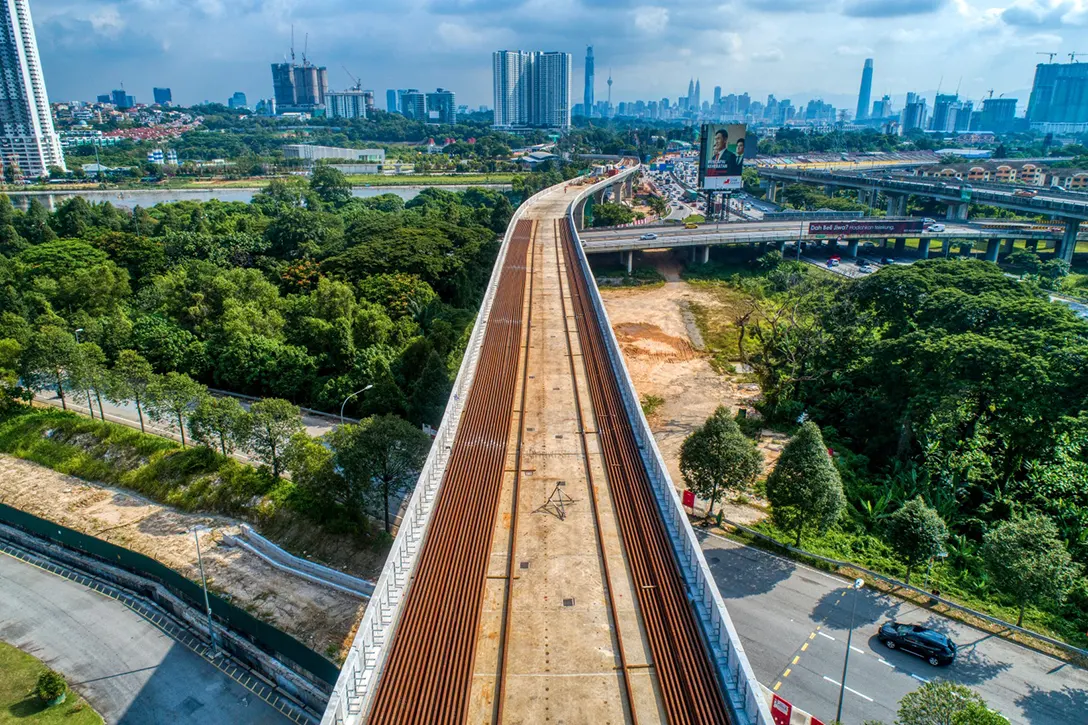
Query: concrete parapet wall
x=734 y=672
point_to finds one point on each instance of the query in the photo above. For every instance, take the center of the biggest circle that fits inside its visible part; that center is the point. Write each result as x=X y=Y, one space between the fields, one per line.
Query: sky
x=796 y=49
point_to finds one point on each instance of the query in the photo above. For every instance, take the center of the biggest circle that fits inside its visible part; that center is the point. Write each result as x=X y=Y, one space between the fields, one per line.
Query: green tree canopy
x=219 y=422
x=173 y=396
x=804 y=488
x=273 y=422
x=917 y=532
x=939 y=702
x=131 y=380
x=717 y=458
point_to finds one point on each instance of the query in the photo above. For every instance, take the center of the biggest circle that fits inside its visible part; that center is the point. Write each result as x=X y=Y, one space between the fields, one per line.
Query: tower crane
x=358 y=83
x=1049 y=54
x=1073 y=57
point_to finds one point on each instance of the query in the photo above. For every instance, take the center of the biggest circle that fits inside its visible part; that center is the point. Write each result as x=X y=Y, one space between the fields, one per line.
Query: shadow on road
x=1047 y=706
x=833 y=609
x=741 y=571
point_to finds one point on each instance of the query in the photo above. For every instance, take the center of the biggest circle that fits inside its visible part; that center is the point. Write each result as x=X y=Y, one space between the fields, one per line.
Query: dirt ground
x=662 y=347
x=320 y=617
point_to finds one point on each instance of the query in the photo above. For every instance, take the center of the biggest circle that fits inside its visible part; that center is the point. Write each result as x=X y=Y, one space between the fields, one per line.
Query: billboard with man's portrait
x=721 y=156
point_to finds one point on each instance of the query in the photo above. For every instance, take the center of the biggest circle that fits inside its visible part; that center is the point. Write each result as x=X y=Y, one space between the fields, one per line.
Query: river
x=148 y=198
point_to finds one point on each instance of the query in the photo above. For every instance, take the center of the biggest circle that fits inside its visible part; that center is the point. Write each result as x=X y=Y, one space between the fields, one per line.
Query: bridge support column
x=923 y=248
x=901 y=210
x=946 y=247
x=706 y=254
x=852 y=248
x=830 y=189
x=580 y=216
x=598 y=196
x=629 y=187
x=957 y=212
x=772 y=191
x=1007 y=249
x=780 y=245
x=630 y=262
x=762 y=248
x=993 y=246
x=965 y=249
x=1033 y=245
x=1069 y=240
x=900 y=246
x=894 y=202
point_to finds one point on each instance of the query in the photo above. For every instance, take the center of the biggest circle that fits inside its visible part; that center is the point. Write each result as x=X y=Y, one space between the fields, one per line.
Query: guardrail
x=355 y=686
x=734 y=672
x=1065 y=646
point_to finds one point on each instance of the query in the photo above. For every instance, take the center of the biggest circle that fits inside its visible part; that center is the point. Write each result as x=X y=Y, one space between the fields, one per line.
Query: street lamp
x=357 y=392
x=858 y=584
x=204 y=584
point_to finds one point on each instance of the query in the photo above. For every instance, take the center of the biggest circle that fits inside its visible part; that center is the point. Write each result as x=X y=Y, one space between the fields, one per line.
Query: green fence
x=265 y=636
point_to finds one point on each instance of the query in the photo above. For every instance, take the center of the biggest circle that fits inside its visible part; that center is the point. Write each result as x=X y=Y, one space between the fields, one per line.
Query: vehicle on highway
x=691 y=225
x=648 y=236
x=865 y=268
x=935 y=227
x=1025 y=193
x=928 y=220
x=887 y=260
x=932 y=646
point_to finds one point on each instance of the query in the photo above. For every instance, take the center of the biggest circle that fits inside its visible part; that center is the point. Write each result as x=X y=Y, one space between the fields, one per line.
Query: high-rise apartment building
x=348 y=104
x=391 y=101
x=531 y=89
x=163 y=96
x=413 y=104
x=866 y=91
x=914 y=114
x=299 y=87
x=945 y=107
x=882 y=108
x=27 y=137
x=998 y=115
x=238 y=100
x=442 y=107
x=587 y=96
x=121 y=99
x=1059 y=98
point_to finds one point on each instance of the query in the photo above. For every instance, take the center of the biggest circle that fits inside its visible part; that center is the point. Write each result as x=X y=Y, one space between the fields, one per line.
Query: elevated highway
x=545 y=569
x=1072 y=208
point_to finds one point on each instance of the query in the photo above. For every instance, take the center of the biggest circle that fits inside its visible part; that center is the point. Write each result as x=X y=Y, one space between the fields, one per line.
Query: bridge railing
x=355 y=688
x=734 y=672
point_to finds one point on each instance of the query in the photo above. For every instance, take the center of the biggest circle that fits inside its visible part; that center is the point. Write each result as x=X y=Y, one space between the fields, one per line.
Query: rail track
x=690 y=689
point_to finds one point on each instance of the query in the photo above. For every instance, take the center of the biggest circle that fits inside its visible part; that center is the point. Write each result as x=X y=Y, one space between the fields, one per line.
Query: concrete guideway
x=561 y=626
x=129 y=670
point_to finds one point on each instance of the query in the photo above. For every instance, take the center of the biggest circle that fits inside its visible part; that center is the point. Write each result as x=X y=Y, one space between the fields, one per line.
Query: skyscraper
x=347 y=104
x=391 y=101
x=587 y=98
x=697 y=100
x=914 y=113
x=1059 y=96
x=27 y=136
x=163 y=96
x=866 y=90
x=531 y=89
x=945 y=109
x=299 y=87
x=238 y=100
x=442 y=107
x=691 y=93
x=413 y=104
x=998 y=115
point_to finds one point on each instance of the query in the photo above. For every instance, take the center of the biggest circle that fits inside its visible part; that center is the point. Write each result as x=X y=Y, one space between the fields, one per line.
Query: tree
x=1027 y=560
x=90 y=373
x=273 y=422
x=917 y=532
x=386 y=451
x=717 y=458
x=329 y=183
x=172 y=396
x=48 y=360
x=218 y=421
x=612 y=215
x=10 y=389
x=945 y=703
x=130 y=380
x=805 y=486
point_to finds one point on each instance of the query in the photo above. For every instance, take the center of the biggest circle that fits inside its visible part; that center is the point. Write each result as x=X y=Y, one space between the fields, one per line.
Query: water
x=149 y=197
x=1081 y=310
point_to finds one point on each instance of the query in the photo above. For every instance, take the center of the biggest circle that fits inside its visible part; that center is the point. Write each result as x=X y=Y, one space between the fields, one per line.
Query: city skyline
x=210 y=49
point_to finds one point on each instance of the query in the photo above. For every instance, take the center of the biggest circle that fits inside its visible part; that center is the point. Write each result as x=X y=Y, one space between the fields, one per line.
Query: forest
x=954 y=399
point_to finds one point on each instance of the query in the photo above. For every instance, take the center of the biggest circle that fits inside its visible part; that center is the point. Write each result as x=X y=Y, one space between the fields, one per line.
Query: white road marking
x=828 y=636
x=848 y=689
x=859 y=651
x=920 y=679
x=883 y=661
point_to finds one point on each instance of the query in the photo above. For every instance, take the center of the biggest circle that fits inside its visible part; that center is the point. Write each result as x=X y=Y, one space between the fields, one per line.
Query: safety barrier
x=735 y=673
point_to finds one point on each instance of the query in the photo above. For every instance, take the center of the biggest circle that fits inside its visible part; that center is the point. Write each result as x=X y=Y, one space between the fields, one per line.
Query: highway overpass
x=628 y=240
x=1071 y=208
x=545 y=568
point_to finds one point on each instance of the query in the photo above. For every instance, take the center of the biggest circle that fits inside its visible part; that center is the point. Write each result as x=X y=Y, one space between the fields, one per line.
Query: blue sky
x=798 y=49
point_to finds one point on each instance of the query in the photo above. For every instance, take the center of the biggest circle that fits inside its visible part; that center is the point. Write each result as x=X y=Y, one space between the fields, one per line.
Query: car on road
x=691 y=225
x=935 y=227
x=932 y=646
x=648 y=236
x=1025 y=193
x=887 y=260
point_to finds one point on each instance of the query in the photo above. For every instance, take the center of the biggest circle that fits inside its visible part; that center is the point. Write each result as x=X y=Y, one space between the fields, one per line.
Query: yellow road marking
x=777 y=685
x=804 y=646
x=812 y=636
x=787 y=672
x=795 y=659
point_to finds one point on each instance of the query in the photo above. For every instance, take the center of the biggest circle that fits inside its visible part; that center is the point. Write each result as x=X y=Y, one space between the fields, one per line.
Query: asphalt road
x=793 y=622
x=128 y=670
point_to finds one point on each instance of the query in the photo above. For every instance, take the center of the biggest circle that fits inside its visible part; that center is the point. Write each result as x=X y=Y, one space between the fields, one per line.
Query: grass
x=191 y=479
x=20 y=704
x=618 y=277
x=651 y=404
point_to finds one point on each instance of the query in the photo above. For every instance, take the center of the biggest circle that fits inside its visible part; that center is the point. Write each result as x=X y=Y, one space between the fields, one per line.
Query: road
x=128 y=670
x=793 y=622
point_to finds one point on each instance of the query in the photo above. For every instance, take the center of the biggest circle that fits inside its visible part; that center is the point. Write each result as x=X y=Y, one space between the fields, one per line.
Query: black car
x=934 y=647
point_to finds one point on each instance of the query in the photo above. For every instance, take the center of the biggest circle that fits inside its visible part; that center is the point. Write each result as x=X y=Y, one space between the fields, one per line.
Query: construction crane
x=1050 y=54
x=1073 y=57
x=358 y=83
x=991 y=93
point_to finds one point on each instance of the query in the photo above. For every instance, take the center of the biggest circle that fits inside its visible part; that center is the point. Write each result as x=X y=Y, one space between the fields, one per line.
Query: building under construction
x=299 y=87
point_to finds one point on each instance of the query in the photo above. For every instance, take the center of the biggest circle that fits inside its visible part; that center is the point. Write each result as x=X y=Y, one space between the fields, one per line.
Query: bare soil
x=661 y=345
x=320 y=617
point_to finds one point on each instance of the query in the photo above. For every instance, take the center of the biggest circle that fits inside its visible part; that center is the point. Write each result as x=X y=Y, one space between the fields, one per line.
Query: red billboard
x=861 y=228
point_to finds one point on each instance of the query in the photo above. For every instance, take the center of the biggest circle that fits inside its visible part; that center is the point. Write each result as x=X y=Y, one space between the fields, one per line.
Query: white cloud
x=650 y=18
x=107 y=21
x=771 y=55
x=459 y=35
x=852 y=50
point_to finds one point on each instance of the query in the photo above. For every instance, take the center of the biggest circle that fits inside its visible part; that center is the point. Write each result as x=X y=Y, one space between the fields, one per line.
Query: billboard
x=858 y=228
x=721 y=156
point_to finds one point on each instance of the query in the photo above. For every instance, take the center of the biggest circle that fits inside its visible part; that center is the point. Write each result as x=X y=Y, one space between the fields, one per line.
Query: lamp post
x=858 y=584
x=204 y=584
x=357 y=392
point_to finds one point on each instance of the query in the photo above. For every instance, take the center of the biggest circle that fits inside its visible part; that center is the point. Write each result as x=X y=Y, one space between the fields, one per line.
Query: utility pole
x=204 y=583
x=858 y=584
